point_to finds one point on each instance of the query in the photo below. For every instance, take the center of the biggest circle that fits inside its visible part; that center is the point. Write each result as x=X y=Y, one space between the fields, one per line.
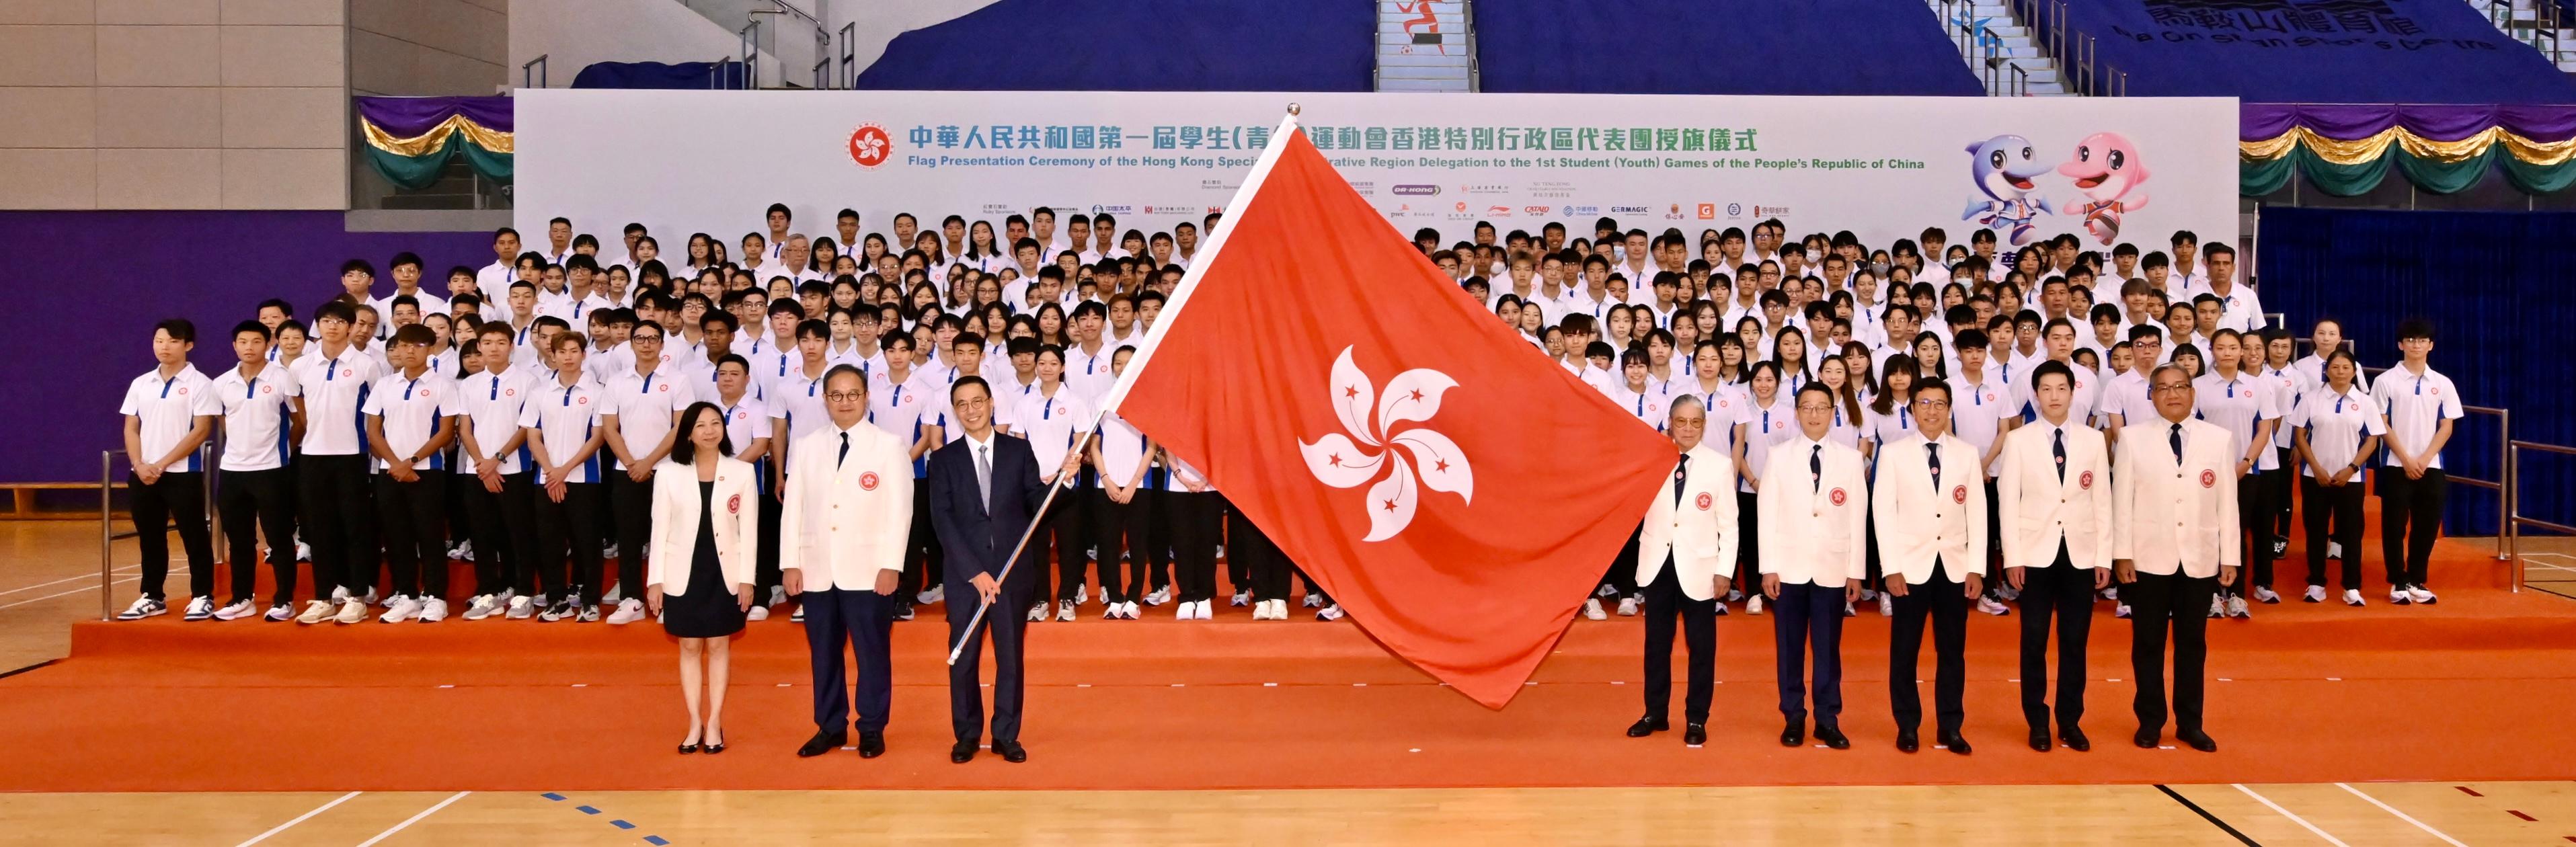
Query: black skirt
x=709 y=609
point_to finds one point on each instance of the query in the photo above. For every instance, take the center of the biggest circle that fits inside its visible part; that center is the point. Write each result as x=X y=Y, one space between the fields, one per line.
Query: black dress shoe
x=1957 y=743
x=1648 y=725
x=871 y=744
x=1011 y=751
x=1833 y=737
x=2198 y=740
x=2150 y=738
x=823 y=742
x=1695 y=734
x=2039 y=738
x=1905 y=741
x=2074 y=739
x=1795 y=735
x=962 y=752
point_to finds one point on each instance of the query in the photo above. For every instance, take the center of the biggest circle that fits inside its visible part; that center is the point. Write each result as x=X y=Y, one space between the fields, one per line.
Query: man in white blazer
x=1930 y=498
x=849 y=505
x=2054 y=501
x=1813 y=507
x=1685 y=549
x=2173 y=541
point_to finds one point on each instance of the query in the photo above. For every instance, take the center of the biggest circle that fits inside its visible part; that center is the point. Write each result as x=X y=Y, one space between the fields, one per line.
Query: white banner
x=1882 y=167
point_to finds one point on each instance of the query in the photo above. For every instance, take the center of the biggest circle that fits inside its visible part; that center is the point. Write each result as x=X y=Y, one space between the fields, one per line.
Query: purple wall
x=87 y=287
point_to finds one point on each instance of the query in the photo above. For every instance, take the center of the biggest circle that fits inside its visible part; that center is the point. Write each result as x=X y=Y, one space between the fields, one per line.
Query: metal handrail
x=1475 y=64
x=750 y=34
x=539 y=77
x=2514 y=520
x=849 y=55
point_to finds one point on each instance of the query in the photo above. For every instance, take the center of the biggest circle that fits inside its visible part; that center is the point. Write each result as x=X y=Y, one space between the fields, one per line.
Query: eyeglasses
x=2174 y=387
x=845 y=396
x=1809 y=407
x=1928 y=403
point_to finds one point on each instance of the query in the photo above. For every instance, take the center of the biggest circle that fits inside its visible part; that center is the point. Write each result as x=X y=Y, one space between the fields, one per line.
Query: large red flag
x=1457 y=492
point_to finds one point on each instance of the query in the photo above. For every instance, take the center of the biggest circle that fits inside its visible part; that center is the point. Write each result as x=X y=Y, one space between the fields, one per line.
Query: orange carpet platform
x=2300 y=693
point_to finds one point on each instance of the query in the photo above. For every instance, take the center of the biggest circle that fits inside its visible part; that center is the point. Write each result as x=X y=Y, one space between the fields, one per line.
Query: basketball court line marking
x=135 y=578
x=2205 y=815
x=2266 y=801
x=2454 y=842
x=299 y=819
x=126 y=569
x=620 y=823
x=407 y=822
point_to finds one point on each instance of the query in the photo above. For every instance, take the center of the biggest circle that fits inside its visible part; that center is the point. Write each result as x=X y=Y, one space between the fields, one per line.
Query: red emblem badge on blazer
x=1706 y=501
x=733 y=505
x=1959 y=494
x=1839 y=497
x=868 y=481
x=2208 y=479
x=2084 y=480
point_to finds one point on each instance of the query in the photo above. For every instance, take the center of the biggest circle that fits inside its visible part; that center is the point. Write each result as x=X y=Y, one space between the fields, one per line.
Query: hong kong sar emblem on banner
x=870 y=146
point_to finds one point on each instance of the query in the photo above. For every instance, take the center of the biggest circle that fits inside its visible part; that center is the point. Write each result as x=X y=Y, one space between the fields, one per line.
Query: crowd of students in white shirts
x=514 y=418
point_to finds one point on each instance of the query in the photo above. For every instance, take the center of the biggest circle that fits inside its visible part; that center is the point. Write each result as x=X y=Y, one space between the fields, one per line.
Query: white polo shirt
x=644 y=404
x=2336 y=423
x=564 y=416
x=167 y=410
x=1052 y=425
x=2416 y=404
x=430 y=304
x=1646 y=406
x=334 y=389
x=411 y=410
x=1978 y=410
x=1122 y=452
x=899 y=409
x=746 y=419
x=491 y=404
x=2238 y=405
x=255 y=422
x=798 y=398
x=1765 y=427
x=1089 y=374
x=495 y=279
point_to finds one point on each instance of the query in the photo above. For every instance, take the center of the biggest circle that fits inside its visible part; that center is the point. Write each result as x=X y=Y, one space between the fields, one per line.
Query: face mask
x=1880 y=268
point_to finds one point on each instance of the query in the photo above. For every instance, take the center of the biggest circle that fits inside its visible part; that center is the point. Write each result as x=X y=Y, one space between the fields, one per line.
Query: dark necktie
x=845 y=451
x=1681 y=479
x=2057 y=448
x=1816 y=466
x=2177 y=443
x=1934 y=451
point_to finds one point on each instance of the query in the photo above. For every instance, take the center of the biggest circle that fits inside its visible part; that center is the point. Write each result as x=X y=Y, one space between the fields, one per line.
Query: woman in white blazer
x=698 y=576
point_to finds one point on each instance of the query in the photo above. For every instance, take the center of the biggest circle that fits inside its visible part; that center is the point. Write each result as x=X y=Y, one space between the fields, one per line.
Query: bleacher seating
x=1135 y=45
x=2313 y=51
x=1846 y=47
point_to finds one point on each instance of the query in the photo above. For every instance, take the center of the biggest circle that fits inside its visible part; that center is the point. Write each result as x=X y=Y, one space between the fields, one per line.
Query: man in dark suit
x=984 y=494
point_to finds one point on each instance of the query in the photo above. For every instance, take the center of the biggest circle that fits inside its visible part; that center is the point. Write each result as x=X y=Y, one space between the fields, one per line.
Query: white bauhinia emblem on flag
x=1426 y=459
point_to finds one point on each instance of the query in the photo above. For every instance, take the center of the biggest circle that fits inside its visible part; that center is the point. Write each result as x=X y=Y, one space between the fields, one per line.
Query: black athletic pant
x=503 y=525
x=1945 y=601
x=2253 y=533
x=2410 y=517
x=1120 y=527
x=2281 y=485
x=256 y=502
x=1238 y=570
x=1064 y=523
x=573 y=522
x=1262 y=560
x=1157 y=535
x=1193 y=531
x=921 y=548
x=1665 y=602
x=413 y=515
x=339 y=522
x=631 y=503
x=765 y=573
x=2160 y=604
x=1622 y=576
x=1748 y=551
x=2340 y=507
x=177 y=497
x=2064 y=592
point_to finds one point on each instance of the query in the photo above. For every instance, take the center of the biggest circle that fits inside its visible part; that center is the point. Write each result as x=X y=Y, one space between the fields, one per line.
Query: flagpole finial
x=1294 y=108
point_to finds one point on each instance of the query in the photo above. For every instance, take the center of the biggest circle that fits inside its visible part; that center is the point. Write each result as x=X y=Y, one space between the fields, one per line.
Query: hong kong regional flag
x=1456 y=491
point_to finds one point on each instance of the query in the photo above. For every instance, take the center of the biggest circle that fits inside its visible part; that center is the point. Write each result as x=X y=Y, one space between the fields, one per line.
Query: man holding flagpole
x=984 y=496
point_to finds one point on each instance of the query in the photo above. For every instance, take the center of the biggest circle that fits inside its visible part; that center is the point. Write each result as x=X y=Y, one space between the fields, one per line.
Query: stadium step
x=2001 y=51
x=2546 y=28
x=1426 y=45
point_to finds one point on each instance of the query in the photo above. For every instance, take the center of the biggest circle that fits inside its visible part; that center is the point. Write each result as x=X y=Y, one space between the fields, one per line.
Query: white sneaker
x=2317 y=594
x=1278 y=610
x=2111 y=592
x=2007 y=593
x=2351 y=596
x=1128 y=610
x=934 y=595
x=463 y=551
x=1038 y=612
x=1592 y=609
x=1886 y=606
x=757 y=613
x=303 y=551
x=798 y=615
x=2217 y=606
x=2397 y=595
x=1627 y=607
x=1313 y=600
x=280 y=613
x=1109 y=611
x=2334 y=550
x=433 y=610
x=2120 y=611
x=2265 y=594
x=1260 y=610
x=1064 y=610
x=628 y=611
x=613 y=595
x=316 y=611
x=2421 y=595
x=504 y=598
x=608 y=552
x=1868 y=594
x=1718 y=608
x=2236 y=608
x=238 y=610
x=778 y=595
x=403 y=609
x=372 y=600
x=1753 y=604
x=1241 y=598
x=351 y=611
x=1082 y=594
x=481 y=607
x=1159 y=597
x=1207 y=610
x=1848 y=612
x=521 y=608
x=144 y=607
x=199 y=608
x=1605 y=591
x=588 y=614
x=1734 y=595
x=339 y=596
x=1329 y=613
x=1186 y=611
x=1989 y=606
